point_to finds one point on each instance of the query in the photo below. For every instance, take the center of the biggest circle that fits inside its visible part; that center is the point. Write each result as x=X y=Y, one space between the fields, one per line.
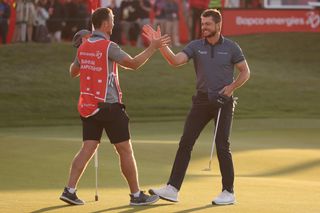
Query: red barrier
x=238 y=22
x=12 y=20
x=94 y=4
x=183 y=26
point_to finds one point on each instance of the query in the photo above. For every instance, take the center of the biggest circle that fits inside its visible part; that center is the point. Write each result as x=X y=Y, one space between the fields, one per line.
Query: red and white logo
x=98 y=54
x=313 y=19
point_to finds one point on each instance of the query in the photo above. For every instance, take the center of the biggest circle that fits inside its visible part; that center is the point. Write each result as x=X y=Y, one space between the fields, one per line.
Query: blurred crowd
x=4 y=17
x=131 y=15
x=57 y=20
x=49 y=20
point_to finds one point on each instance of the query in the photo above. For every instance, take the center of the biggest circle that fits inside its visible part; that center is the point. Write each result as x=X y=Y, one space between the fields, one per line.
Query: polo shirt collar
x=220 y=41
x=98 y=33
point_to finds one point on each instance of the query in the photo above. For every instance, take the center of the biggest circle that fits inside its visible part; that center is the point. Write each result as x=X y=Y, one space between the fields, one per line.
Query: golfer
x=214 y=59
x=100 y=104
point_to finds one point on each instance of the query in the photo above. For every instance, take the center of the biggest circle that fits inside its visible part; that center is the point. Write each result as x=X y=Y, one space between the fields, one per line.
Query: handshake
x=154 y=37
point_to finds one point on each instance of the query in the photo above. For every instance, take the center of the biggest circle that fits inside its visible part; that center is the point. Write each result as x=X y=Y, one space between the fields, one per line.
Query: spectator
x=171 y=21
x=4 y=20
x=31 y=19
x=143 y=17
x=41 y=25
x=116 y=32
x=197 y=7
x=71 y=19
x=129 y=26
x=56 y=20
x=21 y=22
x=82 y=15
x=159 y=14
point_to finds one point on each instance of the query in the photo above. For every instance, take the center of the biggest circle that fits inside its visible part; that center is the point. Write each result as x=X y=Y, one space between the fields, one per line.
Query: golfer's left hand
x=150 y=33
x=227 y=90
x=155 y=38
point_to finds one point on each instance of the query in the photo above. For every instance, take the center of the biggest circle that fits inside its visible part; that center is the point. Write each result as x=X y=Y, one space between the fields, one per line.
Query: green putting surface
x=277 y=166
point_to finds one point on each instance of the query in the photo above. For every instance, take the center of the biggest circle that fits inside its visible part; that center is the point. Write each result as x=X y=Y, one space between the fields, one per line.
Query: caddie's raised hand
x=149 y=32
x=154 y=37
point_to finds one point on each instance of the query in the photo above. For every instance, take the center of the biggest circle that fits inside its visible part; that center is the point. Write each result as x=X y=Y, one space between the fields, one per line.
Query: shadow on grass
x=46 y=209
x=289 y=169
x=282 y=171
x=125 y=208
x=198 y=208
x=130 y=209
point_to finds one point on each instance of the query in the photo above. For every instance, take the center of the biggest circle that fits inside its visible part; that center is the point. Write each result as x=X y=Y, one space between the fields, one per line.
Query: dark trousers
x=200 y=114
x=3 y=30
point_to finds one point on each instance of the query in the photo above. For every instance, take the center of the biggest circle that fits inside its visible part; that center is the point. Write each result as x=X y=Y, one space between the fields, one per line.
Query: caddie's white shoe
x=167 y=192
x=224 y=198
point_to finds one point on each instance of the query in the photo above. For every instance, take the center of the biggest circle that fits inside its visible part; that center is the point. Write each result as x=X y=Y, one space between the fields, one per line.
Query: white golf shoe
x=224 y=198
x=167 y=192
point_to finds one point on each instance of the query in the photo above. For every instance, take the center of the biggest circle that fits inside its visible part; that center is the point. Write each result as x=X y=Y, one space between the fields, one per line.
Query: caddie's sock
x=71 y=190
x=136 y=194
x=172 y=188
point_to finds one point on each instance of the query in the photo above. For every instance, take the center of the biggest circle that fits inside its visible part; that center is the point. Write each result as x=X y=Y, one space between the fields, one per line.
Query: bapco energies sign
x=263 y=21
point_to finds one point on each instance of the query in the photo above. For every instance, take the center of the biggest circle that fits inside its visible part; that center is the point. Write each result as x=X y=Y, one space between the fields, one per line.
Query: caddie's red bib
x=93 y=58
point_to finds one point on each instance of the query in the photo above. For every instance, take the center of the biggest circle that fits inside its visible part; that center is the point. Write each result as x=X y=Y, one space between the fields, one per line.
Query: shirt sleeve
x=189 y=50
x=237 y=54
x=116 y=53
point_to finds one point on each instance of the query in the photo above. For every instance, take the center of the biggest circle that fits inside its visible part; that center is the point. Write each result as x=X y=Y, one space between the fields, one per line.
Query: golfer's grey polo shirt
x=115 y=54
x=214 y=64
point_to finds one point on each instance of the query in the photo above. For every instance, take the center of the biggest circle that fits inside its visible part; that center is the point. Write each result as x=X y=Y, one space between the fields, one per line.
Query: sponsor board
x=237 y=22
